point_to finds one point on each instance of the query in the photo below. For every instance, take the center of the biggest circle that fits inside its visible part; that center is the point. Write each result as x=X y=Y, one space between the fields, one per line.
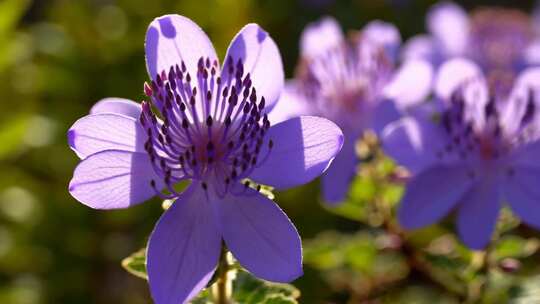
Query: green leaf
x=356 y=206
x=528 y=291
x=507 y=221
x=513 y=246
x=373 y=194
x=359 y=263
x=497 y=286
x=136 y=264
x=246 y=288
x=250 y=290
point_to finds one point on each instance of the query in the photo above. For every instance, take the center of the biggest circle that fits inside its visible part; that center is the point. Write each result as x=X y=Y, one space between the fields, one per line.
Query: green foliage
x=374 y=192
x=246 y=288
x=136 y=264
x=362 y=263
x=250 y=290
x=528 y=291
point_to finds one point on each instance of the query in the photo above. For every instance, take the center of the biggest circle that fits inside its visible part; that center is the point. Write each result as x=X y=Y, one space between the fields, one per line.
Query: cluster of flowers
x=456 y=107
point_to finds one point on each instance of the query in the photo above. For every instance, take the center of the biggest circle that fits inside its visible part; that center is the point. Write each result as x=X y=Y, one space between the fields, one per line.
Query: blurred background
x=58 y=57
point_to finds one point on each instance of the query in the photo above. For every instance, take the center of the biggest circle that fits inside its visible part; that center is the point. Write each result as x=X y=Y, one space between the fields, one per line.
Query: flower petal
x=385 y=34
x=527 y=155
x=113 y=179
x=117 y=106
x=183 y=250
x=431 y=194
x=173 y=39
x=291 y=104
x=523 y=97
x=319 y=37
x=532 y=53
x=421 y=47
x=262 y=61
x=411 y=84
x=385 y=112
x=99 y=132
x=477 y=214
x=449 y=23
x=452 y=74
x=336 y=180
x=413 y=143
x=261 y=236
x=521 y=191
x=303 y=147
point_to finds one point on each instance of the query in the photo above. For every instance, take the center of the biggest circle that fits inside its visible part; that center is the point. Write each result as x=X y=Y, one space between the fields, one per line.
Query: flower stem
x=222 y=289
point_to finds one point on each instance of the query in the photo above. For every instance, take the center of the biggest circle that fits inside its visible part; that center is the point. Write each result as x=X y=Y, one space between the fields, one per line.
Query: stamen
x=177 y=145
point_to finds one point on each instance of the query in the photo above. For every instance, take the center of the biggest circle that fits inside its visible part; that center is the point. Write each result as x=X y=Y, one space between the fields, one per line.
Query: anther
x=148 y=90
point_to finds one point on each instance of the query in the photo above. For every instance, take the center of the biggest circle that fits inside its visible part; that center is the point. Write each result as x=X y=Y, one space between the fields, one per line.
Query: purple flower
x=494 y=38
x=351 y=82
x=479 y=150
x=208 y=125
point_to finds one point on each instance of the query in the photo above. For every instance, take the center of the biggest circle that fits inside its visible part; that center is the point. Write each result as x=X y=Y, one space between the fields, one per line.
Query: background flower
x=495 y=38
x=353 y=82
x=472 y=156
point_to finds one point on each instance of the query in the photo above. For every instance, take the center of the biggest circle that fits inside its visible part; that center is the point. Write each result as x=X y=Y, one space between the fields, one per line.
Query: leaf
x=356 y=206
x=528 y=291
x=497 y=286
x=136 y=264
x=246 y=288
x=374 y=192
x=360 y=263
x=250 y=290
x=513 y=246
x=507 y=221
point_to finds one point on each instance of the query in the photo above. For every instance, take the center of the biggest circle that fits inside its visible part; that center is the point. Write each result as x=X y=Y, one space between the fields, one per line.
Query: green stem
x=221 y=290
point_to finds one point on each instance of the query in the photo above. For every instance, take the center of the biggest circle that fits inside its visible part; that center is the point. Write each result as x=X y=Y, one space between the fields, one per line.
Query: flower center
x=211 y=128
x=482 y=132
x=499 y=36
x=344 y=82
